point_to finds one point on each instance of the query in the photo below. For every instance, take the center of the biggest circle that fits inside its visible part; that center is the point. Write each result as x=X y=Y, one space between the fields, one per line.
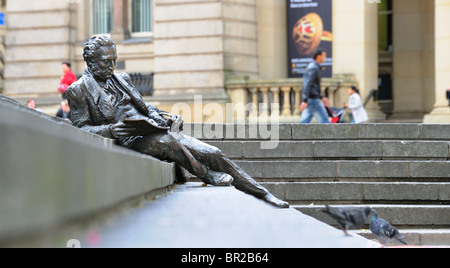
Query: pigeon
x=384 y=231
x=350 y=218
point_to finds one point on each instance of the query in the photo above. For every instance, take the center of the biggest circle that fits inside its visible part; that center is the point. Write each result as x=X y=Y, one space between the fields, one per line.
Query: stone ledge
x=218 y=217
x=52 y=172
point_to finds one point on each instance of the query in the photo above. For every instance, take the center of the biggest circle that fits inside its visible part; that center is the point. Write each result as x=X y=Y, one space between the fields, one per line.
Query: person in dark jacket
x=312 y=100
x=64 y=111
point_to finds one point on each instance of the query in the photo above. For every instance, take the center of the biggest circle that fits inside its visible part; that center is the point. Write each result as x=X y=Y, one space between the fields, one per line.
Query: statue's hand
x=121 y=130
x=177 y=124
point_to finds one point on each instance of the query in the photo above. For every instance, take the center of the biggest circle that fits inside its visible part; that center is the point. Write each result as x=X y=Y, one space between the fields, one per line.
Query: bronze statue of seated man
x=101 y=102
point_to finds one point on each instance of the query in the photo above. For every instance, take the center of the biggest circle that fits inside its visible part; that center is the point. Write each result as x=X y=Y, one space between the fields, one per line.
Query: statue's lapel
x=92 y=86
x=133 y=93
x=100 y=99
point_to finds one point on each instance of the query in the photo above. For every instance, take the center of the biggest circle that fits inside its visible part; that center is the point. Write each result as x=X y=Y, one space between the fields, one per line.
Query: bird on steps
x=384 y=231
x=349 y=218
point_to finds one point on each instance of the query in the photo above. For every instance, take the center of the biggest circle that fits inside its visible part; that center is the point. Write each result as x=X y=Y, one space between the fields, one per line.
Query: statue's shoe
x=269 y=198
x=219 y=178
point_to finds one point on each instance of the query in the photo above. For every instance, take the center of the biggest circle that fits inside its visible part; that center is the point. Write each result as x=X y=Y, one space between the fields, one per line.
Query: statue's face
x=104 y=63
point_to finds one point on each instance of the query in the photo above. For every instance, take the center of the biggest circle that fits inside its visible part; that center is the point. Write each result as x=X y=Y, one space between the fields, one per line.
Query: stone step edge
x=318 y=131
x=397 y=215
x=421 y=237
x=346 y=169
x=360 y=191
x=381 y=150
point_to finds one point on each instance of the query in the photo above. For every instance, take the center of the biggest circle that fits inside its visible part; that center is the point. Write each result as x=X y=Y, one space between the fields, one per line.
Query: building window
x=102 y=16
x=141 y=17
x=385 y=26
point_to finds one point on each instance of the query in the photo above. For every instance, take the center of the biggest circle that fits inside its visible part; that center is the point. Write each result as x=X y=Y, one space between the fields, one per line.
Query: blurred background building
x=232 y=51
x=2 y=46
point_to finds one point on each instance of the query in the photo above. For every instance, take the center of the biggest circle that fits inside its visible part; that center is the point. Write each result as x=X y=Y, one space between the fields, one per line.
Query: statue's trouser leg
x=182 y=174
x=215 y=160
x=167 y=147
x=197 y=157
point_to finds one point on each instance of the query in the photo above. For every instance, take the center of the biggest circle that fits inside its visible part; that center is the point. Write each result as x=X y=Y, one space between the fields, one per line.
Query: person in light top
x=356 y=106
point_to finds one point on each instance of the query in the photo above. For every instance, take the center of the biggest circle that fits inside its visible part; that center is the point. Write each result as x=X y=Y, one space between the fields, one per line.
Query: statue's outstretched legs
x=204 y=161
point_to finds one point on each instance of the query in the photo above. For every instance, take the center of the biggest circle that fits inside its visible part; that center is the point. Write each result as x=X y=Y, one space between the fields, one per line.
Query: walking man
x=312 y=100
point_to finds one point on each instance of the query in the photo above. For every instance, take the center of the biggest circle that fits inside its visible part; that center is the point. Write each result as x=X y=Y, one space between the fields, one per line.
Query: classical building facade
x=235 y=51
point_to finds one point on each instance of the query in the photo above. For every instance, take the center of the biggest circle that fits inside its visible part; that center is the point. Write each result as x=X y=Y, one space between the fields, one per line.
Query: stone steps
x=401 y=216
x=347 y=169
x=432 y=237
x=332 y=149
x=407 y=205
x=402 y=170
x=421 y=224
x=361 y=192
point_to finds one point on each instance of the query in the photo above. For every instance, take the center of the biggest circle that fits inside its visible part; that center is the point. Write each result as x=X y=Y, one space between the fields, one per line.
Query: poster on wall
x=309 y=28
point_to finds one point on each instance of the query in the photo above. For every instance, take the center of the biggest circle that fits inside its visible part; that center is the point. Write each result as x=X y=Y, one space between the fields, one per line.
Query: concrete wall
x=52 y=172
x=42 y=34
x=199 y=43
x=37 y=41
x=240 y=38
x=188 y=48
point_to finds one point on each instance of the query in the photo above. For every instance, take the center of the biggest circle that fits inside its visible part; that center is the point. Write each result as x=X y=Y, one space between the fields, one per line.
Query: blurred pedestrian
x=312 y=104
x=356 y=106
x=31 y=103
x=64 y=111
x=67 y=79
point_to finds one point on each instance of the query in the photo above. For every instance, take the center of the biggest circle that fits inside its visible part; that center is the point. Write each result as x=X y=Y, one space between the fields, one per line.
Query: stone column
x=239 y=97
x=441 y=111
x=254 y=113
x=413 y=56
x=276 y=101
x=297 y=91
x=120 y=29
x=264 y=106
x=287 y=101
x=355 y=46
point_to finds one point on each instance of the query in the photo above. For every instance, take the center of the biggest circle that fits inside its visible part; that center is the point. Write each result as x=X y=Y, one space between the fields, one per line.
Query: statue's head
x=100 y=54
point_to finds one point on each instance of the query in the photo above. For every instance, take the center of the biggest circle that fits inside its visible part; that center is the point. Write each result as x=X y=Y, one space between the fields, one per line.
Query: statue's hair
x=94 y=43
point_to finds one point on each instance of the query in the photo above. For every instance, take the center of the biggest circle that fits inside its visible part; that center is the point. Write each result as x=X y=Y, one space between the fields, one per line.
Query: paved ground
x=217 y=217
